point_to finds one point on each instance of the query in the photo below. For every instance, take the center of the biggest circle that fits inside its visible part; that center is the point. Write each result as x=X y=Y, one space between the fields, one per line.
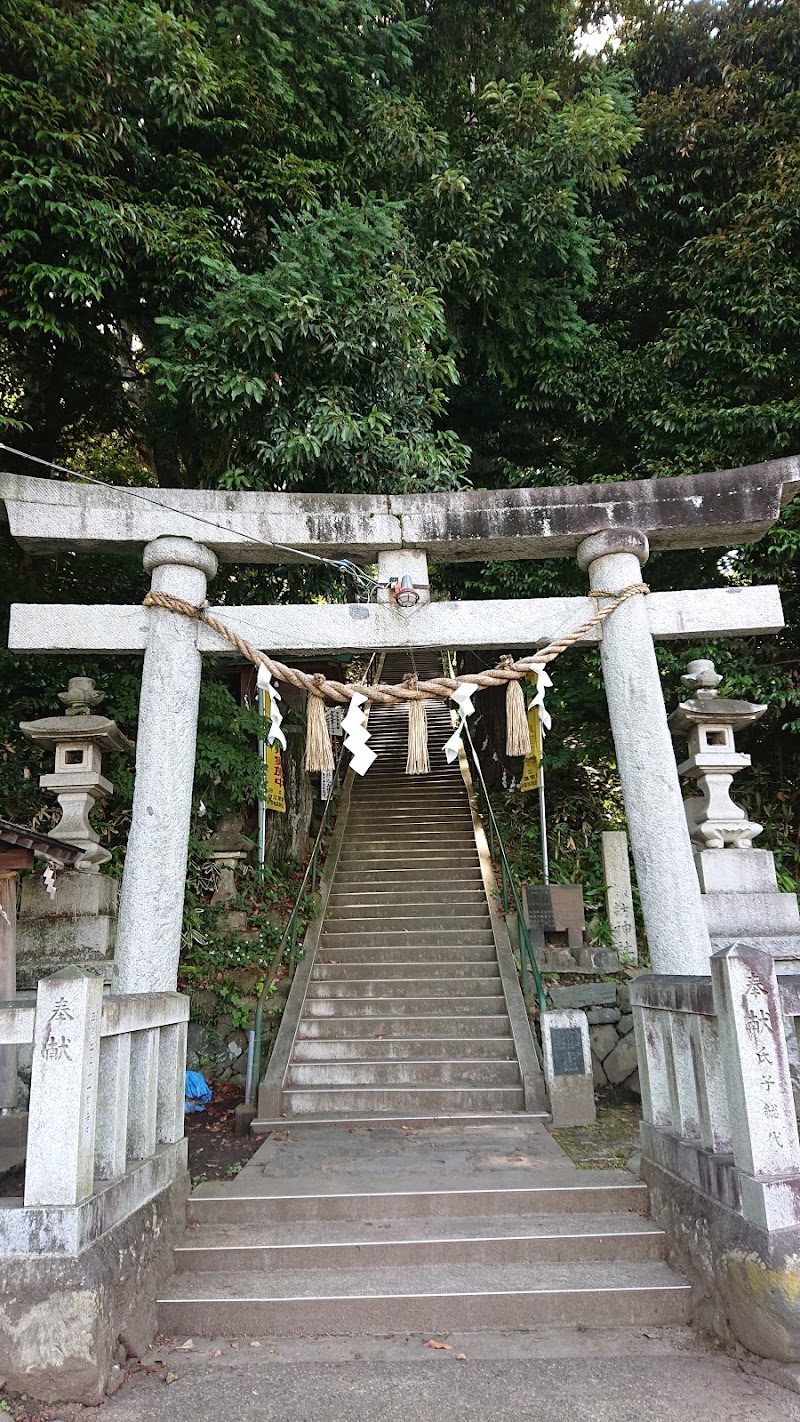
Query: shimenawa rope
x=441 y=687
x=319 y=751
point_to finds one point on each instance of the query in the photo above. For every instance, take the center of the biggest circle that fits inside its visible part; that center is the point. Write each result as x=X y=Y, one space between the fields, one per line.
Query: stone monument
x=77 y=926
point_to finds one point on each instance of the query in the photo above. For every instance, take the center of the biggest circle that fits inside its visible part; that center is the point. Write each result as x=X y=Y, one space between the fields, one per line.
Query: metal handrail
x=289 y=936
x=509 y=888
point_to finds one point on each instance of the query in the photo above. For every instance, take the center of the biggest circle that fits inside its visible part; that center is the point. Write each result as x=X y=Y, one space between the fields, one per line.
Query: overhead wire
x=342 y=565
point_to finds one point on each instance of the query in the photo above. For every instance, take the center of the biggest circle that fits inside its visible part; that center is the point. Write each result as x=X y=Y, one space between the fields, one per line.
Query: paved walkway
x=559 y=1375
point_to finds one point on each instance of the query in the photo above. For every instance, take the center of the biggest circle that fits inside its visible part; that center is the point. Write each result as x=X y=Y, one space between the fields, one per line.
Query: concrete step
x=405 y=1049
x=412 y=988
x=397 y=1100
x=431 y=834
x=430 y=1298
x=416 y=1074
x=463 y=870
x=556 y=1192
x=394 y=938
x=438 y=895
x=362 y=867
x=465 y=969
x=407 y=816
x=502 y=1239
x=395 y=1005
x=349 y=1028
x=412 y=953
x=407 y=918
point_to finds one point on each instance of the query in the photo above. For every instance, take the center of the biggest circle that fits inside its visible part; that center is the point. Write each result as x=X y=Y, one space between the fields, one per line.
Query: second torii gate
x=608 y=528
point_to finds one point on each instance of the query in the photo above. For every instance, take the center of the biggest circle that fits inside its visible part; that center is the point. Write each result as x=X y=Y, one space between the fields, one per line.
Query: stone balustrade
x=106 y=1110
x=717 y=1095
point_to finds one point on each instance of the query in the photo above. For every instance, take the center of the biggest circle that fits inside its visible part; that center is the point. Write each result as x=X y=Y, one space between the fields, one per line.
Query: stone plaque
x=539 y=907
x=567 y=1049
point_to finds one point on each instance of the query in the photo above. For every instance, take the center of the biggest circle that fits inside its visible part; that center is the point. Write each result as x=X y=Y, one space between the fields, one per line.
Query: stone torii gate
x=105 y=1181
x=610 y=529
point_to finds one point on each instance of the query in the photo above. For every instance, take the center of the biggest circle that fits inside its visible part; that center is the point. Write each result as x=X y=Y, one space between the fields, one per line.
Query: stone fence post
x=766 y=1147
x=64 y=1086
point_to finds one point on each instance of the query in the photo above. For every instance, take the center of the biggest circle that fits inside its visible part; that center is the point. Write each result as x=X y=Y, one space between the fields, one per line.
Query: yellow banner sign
x=532 y=765
x=274 y=792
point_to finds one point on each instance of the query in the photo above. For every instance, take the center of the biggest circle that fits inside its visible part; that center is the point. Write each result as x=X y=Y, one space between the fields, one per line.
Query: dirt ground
x=215 y=1153
x=611 y=1141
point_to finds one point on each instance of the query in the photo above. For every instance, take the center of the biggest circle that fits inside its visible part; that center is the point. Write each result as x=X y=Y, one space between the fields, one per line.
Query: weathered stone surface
x=744 y=1279
x=584 y=995
x=598 y=1075
x=568 y=1074
x=62 y=1319
x=668 y=887
x=619 y=895
x=605 y=960
x=151 y=897
x=625 y=1024
x=320 y=630
x=697 y=511
x=624 y=996
x=757 y=1077
x=736 y=871
x=603 y=1040
x=599 y=1015
x=621 y=1061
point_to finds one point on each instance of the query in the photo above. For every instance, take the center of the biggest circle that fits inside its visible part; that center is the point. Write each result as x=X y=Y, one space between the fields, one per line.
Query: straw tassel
x=518 y=737
x=319 y=751
x=418 y=762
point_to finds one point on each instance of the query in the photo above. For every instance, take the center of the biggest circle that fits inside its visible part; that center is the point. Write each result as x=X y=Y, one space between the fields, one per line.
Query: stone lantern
x=228 y=847
x=79 y=926
x=79 y=739
x=710 y=723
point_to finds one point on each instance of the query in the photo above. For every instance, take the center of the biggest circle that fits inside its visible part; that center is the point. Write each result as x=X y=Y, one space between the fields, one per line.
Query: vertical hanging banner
x=274 y=789
x=532 y=765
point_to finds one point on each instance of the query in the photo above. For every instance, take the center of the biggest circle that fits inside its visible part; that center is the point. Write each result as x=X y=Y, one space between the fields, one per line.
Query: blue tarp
x=197 y=1092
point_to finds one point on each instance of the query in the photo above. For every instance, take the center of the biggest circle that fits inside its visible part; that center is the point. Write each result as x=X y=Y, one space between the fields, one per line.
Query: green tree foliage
x=330 y=246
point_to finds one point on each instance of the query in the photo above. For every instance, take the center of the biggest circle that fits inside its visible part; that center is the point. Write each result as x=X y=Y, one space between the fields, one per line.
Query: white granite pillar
x=766 y=1146
x=662 y=851
x=151 y=900
x=59 y=1169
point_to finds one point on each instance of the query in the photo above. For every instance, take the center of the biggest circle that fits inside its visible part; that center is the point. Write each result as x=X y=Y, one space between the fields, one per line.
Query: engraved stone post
x=662 y=852
x=568 y=1067
x=619 y=896
x=766 y=1148
x=64 y=1077
x=151 y=899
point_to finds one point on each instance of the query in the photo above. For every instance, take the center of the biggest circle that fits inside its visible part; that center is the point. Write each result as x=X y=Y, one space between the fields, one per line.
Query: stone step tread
x=400 y=1049
x=309 y=1236
x=350 y=1029
x=413 y=1074
x=351 y=987
x=412 y=1008
x=463 y=968
x=444 y=956
x=382 y=1100
x=399 y=915
x=399 y=938
x=421 y=1281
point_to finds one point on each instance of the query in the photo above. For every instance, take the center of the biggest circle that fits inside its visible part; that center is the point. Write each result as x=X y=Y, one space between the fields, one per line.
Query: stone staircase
x=410 y=1002
x=431 y=1228
x=406 y=1190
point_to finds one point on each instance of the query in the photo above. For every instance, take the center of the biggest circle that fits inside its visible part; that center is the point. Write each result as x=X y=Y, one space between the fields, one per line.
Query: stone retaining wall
x=608 y=1011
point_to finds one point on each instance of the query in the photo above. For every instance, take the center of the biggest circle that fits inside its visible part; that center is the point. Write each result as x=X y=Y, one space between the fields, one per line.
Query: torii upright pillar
x=151 y=899
x=674 y=917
